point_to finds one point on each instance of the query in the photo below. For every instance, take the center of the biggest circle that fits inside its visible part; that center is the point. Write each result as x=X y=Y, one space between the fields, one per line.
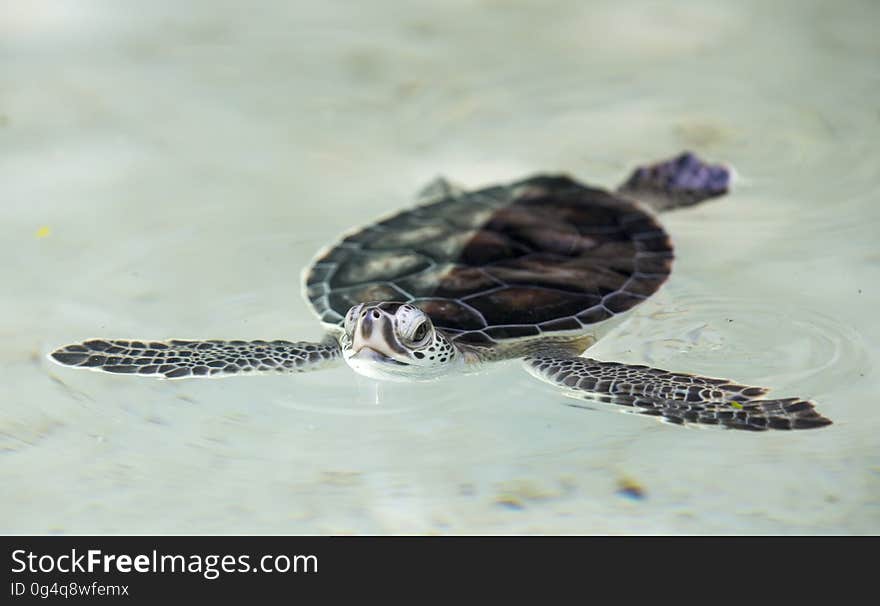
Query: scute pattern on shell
x=542 y=255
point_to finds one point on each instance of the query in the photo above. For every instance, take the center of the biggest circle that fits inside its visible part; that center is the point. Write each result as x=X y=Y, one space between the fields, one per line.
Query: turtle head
x=395 y=341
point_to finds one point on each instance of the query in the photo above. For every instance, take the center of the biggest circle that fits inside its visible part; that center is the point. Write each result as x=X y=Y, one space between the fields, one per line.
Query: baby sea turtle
x=535 y=269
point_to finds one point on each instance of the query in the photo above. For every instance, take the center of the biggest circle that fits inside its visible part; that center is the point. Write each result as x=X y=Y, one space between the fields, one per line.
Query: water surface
x=168 y=170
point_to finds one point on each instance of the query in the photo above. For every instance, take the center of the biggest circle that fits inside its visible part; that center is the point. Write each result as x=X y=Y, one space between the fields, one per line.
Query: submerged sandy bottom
x=168 y=170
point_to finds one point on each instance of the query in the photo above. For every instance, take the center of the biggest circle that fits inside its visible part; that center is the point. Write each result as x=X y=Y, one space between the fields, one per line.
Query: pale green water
x=189 y=159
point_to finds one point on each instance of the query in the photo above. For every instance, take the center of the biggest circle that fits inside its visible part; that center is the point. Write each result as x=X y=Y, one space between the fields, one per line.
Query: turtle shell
x=542 y=255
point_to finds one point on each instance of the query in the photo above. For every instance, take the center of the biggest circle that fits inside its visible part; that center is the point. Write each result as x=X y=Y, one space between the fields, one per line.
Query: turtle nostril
x=375 y=314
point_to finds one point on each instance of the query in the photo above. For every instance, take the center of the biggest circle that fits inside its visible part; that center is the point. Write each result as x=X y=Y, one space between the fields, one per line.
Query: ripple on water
x=774 y=344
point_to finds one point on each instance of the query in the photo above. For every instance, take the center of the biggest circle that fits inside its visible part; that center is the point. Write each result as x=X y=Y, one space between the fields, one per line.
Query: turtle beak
x=368 y=354
x=374 y=339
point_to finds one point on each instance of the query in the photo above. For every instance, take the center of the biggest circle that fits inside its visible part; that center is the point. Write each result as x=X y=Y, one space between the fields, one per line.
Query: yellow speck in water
x=43 y=232
x=509 y=502
x=737 y=405
x=631 y=489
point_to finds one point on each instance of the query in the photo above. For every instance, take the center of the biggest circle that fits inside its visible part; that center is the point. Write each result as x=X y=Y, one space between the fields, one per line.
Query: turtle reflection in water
x=535 y=269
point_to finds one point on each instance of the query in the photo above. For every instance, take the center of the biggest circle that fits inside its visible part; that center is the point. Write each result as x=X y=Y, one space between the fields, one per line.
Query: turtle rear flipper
x=676 y=397
x=177 y=359
x=681 y=181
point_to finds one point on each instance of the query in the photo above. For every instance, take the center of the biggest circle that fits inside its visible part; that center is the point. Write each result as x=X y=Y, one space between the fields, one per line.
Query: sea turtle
x=535 y=269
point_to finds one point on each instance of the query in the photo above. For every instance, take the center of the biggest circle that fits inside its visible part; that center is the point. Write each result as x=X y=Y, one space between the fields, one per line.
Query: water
x=168 y=170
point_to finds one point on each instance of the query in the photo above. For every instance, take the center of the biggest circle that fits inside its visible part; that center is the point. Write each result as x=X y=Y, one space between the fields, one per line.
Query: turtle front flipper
x=676 y=397
x=177 y=359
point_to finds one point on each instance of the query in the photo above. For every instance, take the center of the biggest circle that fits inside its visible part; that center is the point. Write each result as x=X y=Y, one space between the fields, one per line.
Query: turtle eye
x=420 y=332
